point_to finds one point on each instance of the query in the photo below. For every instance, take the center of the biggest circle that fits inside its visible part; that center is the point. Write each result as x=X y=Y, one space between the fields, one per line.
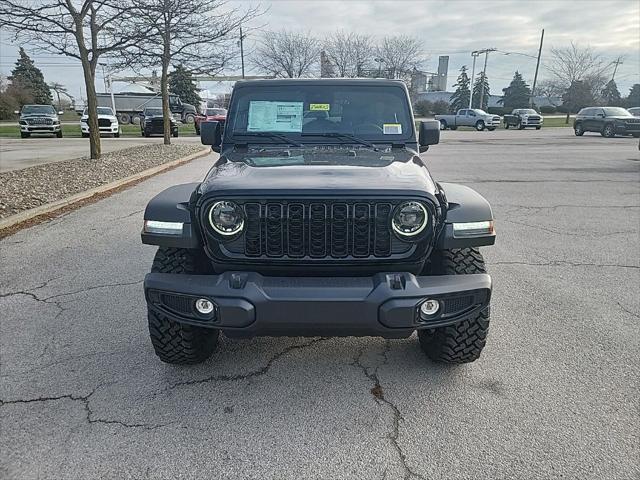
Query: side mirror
x=600 y=115
x=429 y=134
x=211 y=134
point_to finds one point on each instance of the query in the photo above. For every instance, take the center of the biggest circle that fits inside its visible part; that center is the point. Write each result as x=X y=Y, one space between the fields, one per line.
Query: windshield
x=616 y=112
x=479 y=111
x=29 y=109
x=215 y=111
x=302 y=112
x=152 y=112
x=526 y=111
x=101 y=111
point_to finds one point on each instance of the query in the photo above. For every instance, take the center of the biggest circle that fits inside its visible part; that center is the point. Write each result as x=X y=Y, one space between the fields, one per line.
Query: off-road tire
x=464 y=341
x=175 y=342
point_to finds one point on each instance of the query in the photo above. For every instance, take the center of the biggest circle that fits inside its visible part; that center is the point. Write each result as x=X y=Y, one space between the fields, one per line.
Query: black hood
x=313 y=172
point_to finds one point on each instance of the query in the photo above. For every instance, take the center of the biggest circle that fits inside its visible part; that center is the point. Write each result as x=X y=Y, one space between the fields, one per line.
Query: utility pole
x=617 y=62
x=473 y=72
x=242 y=37
x=535 y=76
x=475 y=54
x=104 y=79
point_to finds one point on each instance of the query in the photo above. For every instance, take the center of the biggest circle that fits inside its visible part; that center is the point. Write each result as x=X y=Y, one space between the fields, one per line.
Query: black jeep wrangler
x=319 y=218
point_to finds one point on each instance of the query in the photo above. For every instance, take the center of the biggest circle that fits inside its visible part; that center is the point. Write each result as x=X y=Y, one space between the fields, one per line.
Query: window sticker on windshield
x=267 y=116
x=392 y=129
x=323 y=107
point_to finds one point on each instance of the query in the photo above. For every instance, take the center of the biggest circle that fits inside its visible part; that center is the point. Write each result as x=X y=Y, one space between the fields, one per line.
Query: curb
x=30 y=216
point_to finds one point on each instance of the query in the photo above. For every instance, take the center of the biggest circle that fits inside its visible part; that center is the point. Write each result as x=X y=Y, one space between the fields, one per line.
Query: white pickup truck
x=473 y=117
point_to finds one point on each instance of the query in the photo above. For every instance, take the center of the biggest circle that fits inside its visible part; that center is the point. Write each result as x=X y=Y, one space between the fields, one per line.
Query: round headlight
x=226 y=218
x=409 y=219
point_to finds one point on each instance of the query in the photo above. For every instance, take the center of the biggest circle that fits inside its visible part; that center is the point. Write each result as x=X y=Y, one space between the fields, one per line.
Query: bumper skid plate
x=250 y=304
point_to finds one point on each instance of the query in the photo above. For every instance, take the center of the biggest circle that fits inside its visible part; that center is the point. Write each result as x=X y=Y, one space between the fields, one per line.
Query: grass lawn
x=13 y=131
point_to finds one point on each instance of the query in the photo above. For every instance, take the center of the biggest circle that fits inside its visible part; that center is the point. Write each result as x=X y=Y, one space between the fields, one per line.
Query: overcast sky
x=451 y=27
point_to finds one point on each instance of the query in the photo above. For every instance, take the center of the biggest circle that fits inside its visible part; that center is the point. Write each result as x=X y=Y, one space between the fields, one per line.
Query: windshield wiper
x=343 y=135
x=284 y=138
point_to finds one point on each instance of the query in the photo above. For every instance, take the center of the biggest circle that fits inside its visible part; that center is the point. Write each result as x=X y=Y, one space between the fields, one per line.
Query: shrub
x=548 y=109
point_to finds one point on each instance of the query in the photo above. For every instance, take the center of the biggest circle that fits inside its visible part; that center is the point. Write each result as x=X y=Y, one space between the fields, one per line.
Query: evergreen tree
x=460 y=98
x=28 y=77
x=577 y=96
x=477 y=87
x=517 y=94
x=633 y=100
x=611 y=95
x=181 y=83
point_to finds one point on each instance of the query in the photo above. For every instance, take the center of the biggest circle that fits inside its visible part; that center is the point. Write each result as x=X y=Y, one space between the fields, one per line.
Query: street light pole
x=483 y=78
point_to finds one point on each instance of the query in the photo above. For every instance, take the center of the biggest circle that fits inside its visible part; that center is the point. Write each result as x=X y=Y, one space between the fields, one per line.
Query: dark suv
x=152 y=123
x=608 y=121
x=318 y=224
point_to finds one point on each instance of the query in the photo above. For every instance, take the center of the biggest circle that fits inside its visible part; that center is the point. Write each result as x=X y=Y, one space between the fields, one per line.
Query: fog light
x=429 y=307
x=204 y=306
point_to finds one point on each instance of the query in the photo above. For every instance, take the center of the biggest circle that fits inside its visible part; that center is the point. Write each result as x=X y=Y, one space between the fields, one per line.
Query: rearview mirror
x=211 y=134
x=429 y=134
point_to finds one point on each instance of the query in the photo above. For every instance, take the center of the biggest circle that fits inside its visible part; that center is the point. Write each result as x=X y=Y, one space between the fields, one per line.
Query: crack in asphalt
x=560 y=263
x=625 y=309
x=242 y=376
x=378 y=394
x=89 y=414
x=65 y=294
x=563 y=232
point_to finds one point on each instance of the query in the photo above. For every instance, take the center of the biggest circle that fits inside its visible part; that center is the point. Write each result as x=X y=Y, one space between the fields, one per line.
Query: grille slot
x=274 y=240
x=104 y=122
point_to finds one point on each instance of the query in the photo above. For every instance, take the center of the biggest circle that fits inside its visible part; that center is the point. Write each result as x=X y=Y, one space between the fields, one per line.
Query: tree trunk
x=92 y=109
x=566 y=120
x=166 y=112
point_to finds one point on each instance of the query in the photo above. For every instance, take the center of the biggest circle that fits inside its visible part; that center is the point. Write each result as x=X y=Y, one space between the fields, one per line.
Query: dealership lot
x=553 y=395
x=17 y=153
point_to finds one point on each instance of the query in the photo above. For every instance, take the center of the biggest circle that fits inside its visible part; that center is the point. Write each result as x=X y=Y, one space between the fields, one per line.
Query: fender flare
x=464 y=205
x=172 y=205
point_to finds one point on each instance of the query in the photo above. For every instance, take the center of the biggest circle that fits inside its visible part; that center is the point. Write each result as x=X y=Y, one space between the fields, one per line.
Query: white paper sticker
x=392 y=129
x=267 y=116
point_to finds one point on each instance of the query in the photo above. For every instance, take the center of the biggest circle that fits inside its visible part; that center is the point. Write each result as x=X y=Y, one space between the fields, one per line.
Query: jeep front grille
x=317 y=229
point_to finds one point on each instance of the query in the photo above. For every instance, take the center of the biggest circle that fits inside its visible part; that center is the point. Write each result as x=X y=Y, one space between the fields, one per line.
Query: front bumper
x=250 y=304
x=114 y=128
x=40 y=128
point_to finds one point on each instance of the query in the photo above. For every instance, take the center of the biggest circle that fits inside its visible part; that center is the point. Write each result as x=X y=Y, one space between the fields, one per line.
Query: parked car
x=608 y=121
x=479 y=119
x=107 y=122
x=39 y=119
x=331 y=227
x=152 y=123
x=635 y=111
x=522 y=118
x=211 y=115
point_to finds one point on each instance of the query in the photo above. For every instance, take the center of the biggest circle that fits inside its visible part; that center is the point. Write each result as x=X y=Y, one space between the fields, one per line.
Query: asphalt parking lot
x=17 y=153
x=554 y=395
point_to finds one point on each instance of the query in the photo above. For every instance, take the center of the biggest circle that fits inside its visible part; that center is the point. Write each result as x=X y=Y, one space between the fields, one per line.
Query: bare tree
x=60 y=89
x=197 y=34
x=400 y=54
x=349 y=52
x=81 y=29
x=287 y=54
x=574 y=63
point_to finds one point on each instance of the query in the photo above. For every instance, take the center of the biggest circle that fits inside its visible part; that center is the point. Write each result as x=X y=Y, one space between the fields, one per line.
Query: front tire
x=25 y=134
x=174 y=342
x=59 y=134
x=464 y=341
x=609 y=131
x=578 y=129
x=443 y=124
x=480 y=125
